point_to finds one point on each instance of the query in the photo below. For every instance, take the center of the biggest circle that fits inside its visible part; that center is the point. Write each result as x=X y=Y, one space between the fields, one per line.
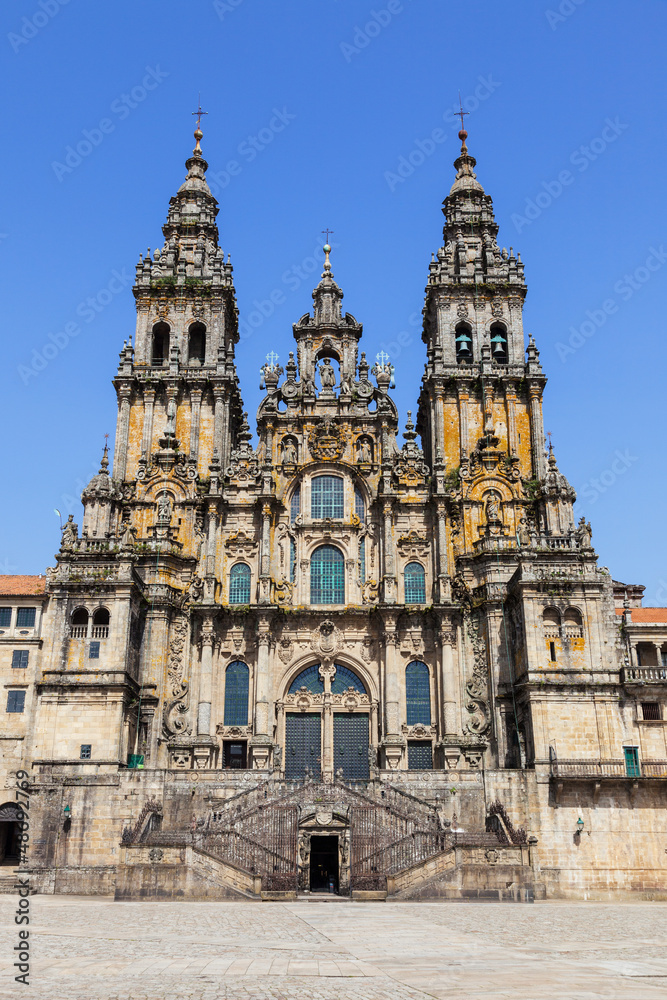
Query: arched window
x=573 y=623
x=197 y=344
x=499 y=344
x=79 y=626
x=295 y=504
x=327 y=576
x=359 y=505
x=326 y=497
x=463 y=344
x=308 y=678
x=100 y=623
x=160 y=345
x=237 y=683
x=415 y=584
x=346 y=678
x=551 y=622
x=417 y=694
x=239 y=584
x=362 y=560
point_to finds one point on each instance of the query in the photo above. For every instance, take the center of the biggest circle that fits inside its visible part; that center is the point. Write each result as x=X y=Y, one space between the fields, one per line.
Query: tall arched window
x=79 y=626
x=499 y=344
x=362 y=560
x=101 y=620
x=359 y=505
x=327 y=576
x=326 y=497
x=237 y=683
x=295 y=504
x=197 y=344
x=417 y=694
x=160 y=345
x=239 y=584
x=415 y=584
x=463 y=344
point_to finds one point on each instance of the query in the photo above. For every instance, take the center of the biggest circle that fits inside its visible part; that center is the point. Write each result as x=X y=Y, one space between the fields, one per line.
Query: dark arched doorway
x=11 y=816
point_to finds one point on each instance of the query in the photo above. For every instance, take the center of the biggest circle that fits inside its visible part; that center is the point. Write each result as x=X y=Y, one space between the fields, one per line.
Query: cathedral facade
x=257 y=670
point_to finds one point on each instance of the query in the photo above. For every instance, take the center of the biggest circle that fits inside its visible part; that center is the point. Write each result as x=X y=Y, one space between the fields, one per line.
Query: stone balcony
x=644 y=675
x=601 y=769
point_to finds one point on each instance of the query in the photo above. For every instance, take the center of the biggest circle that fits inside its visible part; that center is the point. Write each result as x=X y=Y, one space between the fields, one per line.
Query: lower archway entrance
x=11 y=816
x=324 y=864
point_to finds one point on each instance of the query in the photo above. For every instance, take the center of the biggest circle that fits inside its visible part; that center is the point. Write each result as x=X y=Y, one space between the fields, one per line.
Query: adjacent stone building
x=342 y=659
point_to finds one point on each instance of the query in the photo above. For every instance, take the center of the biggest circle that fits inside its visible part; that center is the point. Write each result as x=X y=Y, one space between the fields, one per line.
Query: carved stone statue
x=584 y=533
x=364 y=450
x=289 y=451
x=170 y=429
x=70 y=533
x=164 y=511
x=523 y=534
x=327 y=375
x=492 y=509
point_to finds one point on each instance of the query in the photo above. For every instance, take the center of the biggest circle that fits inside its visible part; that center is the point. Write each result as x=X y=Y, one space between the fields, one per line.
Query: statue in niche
x=364 y=453
x=170 y=429
x=345 y=384
x=492 y=509
x=164 y=510
x=289 y=451
x=327 y=374
x=523 y=534
x=308 y=386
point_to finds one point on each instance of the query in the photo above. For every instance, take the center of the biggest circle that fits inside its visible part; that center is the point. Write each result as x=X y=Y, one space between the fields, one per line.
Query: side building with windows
x=385 y=661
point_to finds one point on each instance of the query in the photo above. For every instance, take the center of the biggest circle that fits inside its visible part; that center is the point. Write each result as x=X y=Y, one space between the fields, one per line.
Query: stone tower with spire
x=274 y=625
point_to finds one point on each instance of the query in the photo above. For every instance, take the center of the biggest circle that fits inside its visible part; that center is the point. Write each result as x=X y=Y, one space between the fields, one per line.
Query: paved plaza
x=95 y=949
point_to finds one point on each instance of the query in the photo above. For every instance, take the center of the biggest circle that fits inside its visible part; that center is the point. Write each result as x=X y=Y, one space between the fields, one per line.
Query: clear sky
x=322 y=114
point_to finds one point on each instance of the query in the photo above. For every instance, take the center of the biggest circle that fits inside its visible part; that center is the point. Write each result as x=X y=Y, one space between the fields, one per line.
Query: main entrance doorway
x=324 y=864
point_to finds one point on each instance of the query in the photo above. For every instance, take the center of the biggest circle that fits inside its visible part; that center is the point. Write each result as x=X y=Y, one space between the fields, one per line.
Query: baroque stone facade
x=338 y=608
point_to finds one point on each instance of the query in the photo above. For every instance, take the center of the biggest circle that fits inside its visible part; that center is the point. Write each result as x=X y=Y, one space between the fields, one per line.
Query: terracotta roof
x=656 y=615
x=16 y=586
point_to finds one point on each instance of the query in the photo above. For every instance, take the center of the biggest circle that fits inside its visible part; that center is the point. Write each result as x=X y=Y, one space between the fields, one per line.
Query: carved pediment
x=240 y=544
x=414 y=543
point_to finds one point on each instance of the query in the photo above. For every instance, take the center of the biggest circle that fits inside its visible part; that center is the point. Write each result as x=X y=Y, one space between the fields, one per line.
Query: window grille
x=326 y=497
x=415 y=584
x=237 y=683
x=651 y=711
x=420 y=756
x=292 y=560
x=239 y=584
x=417 y=693
x=632 y=762
x=308 y=678
x=362 y=560
x=15 y=701
x=20 y=658
x=25 y=617
x=86 y=751
x=327 y=576
x=359 y=505
x=5 y=617
x=346 y=678
x=94 y=651
x=295 y=504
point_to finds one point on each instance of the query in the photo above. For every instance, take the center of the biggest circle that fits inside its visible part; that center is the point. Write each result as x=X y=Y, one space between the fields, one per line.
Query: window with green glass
x=237 y=684
x=417 y=693
x=362 y=560
x=327 y=576
x=239 y=584
x=415 y=584
x=632 y=762
x=326 y=497
x=308 y=678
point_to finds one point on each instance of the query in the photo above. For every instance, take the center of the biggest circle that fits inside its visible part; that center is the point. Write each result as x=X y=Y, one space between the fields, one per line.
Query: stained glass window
x=327 y=576
x=415 y=584
x=237 y=680
x=239 y=584
x=359 y=505
x=346 y=678
x=326 y=497
x=362 y=560
x=417 y=693
x=310 y=679
x=295 y=504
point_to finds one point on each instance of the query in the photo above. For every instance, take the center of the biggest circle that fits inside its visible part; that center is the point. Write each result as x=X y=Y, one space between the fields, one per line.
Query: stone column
x=463 y=418
x=265 y=557
x=389 y=560
x=439 y=428
x=147 y=438
x=211 y=540
x=537 y=431
x=195 y=412
x=443 y=562
x=122 y=433
x=447 y=642
x=261 y=721
x=658 y=653
x=218 y=412
x=510 y=399
x=224 y=448
x=393 y=739
x=205 y=678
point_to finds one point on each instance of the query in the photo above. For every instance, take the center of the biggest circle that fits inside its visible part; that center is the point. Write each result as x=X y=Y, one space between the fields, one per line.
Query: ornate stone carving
x=368 y=649
x=241 y=544
x=477 y=687
x=286 y=650
x=410 y=469
x=282 y=592
x=327 y=640
x=370 y=592
x=414 y=544
x=176 y=708
x=327 y=440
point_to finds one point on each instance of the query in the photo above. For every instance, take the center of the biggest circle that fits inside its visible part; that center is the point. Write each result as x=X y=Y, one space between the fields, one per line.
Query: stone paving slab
x=90 y=948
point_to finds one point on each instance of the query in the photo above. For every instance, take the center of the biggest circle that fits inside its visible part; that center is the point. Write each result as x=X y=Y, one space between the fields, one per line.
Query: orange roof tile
x=648 y=615
x=16 y=586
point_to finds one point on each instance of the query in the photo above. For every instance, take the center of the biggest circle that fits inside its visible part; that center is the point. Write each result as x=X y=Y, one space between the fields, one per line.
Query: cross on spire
x=327 y=233
x=461 y=113
x=199 y=112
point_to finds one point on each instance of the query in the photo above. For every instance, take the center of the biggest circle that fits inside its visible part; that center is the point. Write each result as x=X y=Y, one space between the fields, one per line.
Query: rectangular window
x=20 y=658
x=5 y=617
x=94 y=651
x=292 y=560
x=295 y=504
x=362 y=560
x=326 y=497
x=86 y=751
x=651 y=711
x=420 y=756
x=15 y=701
x=25 y=617
x=663 y=657
x=552 y=652
x=632 y=761
x=234 y=755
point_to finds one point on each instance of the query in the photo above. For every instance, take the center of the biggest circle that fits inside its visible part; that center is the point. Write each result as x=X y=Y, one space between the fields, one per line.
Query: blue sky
x=312 y=108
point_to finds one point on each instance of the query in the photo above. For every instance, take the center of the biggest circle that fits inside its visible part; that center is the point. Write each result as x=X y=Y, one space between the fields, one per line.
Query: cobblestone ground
x=95 y=949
